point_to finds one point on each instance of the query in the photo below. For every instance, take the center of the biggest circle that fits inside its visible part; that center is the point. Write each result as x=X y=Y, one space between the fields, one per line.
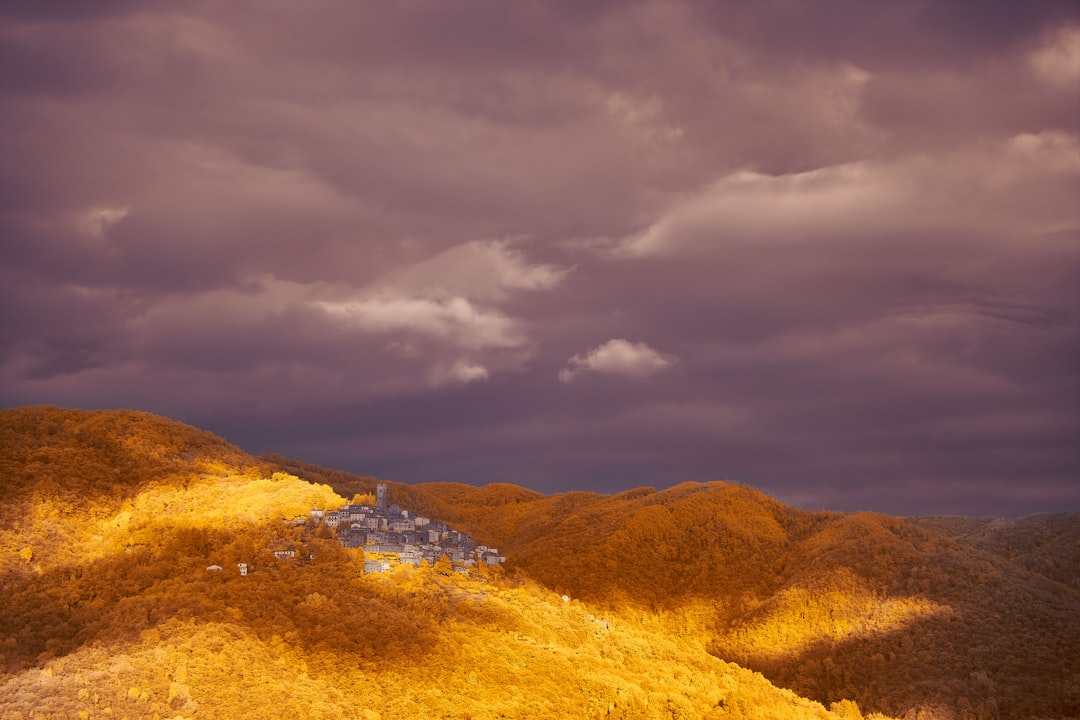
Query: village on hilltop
x=390 y=535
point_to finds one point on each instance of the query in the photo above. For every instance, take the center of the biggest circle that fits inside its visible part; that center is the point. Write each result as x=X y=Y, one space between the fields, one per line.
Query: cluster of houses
x=398 y=536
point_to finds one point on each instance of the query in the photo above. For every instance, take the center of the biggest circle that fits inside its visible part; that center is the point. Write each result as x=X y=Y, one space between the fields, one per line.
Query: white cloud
x=447 y=298
x=481 y=270
x=455 y=320
x=422 y=342
x=461 y=372
x=1058 y=60
x=618 y=357
x=745 y=205
x=1051 y=150
x=641 y=118
x=99 y=219
x=1018 y=186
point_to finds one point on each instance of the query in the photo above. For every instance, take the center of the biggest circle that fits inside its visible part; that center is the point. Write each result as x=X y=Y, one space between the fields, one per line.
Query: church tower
x=380 y=495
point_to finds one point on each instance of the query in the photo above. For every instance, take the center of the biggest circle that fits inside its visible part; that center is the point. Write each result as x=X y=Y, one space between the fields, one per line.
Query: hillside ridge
x=138 y=568
x=870 y=597
x=111 y=514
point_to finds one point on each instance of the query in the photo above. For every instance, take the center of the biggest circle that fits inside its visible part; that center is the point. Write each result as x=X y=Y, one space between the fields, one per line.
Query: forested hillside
x=109 y=522
x=121 y=597
x=900 y=615
x=1047 y=543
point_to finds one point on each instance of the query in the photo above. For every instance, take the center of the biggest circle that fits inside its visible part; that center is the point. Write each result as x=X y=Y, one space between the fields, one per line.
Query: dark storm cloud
x=829 y=249
x=881 y=34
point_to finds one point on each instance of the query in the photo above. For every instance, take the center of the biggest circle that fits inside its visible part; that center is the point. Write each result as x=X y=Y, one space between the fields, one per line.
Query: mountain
x=699 y=601
x=948 y=618
x=1046 y=543
x=122 y=536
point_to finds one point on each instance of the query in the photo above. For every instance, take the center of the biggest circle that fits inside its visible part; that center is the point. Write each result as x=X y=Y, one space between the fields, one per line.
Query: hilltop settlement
x=390 y=535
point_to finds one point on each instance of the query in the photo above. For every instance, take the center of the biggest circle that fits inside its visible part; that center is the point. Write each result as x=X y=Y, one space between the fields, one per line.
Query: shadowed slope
x=893 y=612
x=111 y=608
x=73 y=460
x=1047 y=543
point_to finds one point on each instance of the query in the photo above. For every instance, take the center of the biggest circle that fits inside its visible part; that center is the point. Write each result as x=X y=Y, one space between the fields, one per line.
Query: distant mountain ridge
x=121 y=540
x=1046 y=543
x=109 y=519
x=893 y=612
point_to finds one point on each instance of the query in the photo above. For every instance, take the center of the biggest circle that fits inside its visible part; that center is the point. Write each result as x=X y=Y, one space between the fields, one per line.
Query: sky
x=830 y=250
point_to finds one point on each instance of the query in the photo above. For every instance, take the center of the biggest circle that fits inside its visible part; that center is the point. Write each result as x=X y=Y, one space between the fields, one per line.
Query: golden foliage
x=896 y=614
x=110 y=521
x=116 y=613
x=500 y=650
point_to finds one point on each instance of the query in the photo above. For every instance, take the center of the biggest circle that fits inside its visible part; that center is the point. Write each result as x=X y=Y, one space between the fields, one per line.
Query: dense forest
x=114 y=525
x=951 y=617
x=700 y=601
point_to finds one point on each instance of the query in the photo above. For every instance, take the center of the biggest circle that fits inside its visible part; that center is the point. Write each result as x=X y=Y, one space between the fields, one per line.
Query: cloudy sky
x=827 y=249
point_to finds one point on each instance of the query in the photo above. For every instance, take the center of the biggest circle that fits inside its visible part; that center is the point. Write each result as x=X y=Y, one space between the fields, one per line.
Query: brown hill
x=72 y=459
x=901 y=615
x=1047 y=543
x=111 y=603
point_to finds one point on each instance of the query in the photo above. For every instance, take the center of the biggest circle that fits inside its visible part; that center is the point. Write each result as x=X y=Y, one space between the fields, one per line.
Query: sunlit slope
x=414 y=644
x=99 y=506
x=899 y=615
x=81 y=486
x=81 y=457
x=109 y=608
x=895 y=617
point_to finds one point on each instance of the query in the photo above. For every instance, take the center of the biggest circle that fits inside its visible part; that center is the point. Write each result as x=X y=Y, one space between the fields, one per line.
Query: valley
x=699 y=601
